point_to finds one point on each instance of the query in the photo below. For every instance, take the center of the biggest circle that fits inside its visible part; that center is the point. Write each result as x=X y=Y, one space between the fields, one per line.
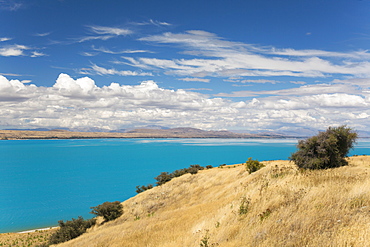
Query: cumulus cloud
x=80 y=103
x=13 y=50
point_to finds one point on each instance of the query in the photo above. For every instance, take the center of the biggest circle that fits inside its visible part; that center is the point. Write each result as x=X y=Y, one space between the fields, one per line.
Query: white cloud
x=43 y=34
x=194 y=79
x=80 y=103
x=13 y=50
x=153 y=22
x=105 y=50
x=10 y=5
x=5 y=39
x=103 y=71
x=37 y=54
x=222 y=58
x=110 y=30
x=104 y=33
x=18 y=50
x=301 y=91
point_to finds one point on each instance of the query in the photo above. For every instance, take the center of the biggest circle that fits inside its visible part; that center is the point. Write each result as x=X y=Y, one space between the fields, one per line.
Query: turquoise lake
x=43 y=181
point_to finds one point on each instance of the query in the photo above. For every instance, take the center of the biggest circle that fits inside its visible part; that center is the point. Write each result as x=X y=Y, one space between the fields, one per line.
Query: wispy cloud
x=106 y=50
x=18 y=50
x=300 y=91
x=109 y=30
x=37 y=54
x=221 y=58
x=10 y=5
x=104 y=33
x=5 y=39
x=104 y=71
x=42 y=34
x=194 y=79
x=153 y=22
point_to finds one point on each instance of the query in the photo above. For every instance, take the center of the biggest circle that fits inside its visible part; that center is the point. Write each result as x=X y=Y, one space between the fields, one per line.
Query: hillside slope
x=275 y=206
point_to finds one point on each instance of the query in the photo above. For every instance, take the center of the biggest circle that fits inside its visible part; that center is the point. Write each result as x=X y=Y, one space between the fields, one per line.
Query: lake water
x=43 y=181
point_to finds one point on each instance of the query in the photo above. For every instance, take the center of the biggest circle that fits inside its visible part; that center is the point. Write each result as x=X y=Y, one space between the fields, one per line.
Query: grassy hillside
x=275 y=206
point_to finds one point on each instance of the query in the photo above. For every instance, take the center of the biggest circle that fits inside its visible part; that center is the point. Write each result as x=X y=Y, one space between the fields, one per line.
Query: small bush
x=163 y=178
x=143 y=188
x=244 y=205
x=178 y=173
x=253 y=165
x=325 y=150
x=193 y=169
x=109 y=210
x=70 y=229
x=209 y=167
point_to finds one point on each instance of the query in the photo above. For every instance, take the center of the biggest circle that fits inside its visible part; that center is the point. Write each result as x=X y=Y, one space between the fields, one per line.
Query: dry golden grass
x=275 y=206
x=29 y=239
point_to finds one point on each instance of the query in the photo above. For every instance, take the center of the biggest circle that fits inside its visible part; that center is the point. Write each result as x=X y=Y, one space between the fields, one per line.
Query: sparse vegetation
x=244 y=205
x=143 y=188
x=325 y=150
x=253 y=165
x=165 y=177
x=70 y=229
x=108 y=210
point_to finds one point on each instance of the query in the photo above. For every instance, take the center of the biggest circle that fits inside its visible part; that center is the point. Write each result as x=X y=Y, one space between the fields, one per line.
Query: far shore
x=137 y=133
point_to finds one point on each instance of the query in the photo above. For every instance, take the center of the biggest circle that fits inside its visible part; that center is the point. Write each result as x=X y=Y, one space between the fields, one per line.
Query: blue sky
x=282 y=66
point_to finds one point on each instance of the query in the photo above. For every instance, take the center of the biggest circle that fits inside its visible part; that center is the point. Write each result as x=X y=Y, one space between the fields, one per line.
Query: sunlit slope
x=275 y=206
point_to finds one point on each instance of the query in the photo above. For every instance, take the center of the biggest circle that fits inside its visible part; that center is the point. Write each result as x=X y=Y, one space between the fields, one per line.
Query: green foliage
x=253 y=165
x=143 y=188
x=109 y=210
x=204 y=242
x=163 y=178
x=325 y=150
x=244 y=205
x=70 y=229
x=264 y=215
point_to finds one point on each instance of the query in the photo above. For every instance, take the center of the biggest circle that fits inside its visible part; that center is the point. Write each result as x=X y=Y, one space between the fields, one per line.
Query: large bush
x=109 y=210
x=70 y=229
x=253 y=165
x=325 y=150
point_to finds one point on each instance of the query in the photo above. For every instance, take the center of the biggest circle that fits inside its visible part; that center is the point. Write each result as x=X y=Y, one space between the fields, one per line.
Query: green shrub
x=70 y=229
x=193 y=169
x=325 y=150
x=109 y=210
x=253 y=165
x=178 y=173
x=163 y=178
x=143 y=188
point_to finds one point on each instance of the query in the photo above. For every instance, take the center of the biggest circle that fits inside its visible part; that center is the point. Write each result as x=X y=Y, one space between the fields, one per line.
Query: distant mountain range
x=133 y=133
x=152 y=131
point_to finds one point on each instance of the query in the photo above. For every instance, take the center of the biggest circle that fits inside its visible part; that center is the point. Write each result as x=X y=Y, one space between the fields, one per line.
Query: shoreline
x=39 y=229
